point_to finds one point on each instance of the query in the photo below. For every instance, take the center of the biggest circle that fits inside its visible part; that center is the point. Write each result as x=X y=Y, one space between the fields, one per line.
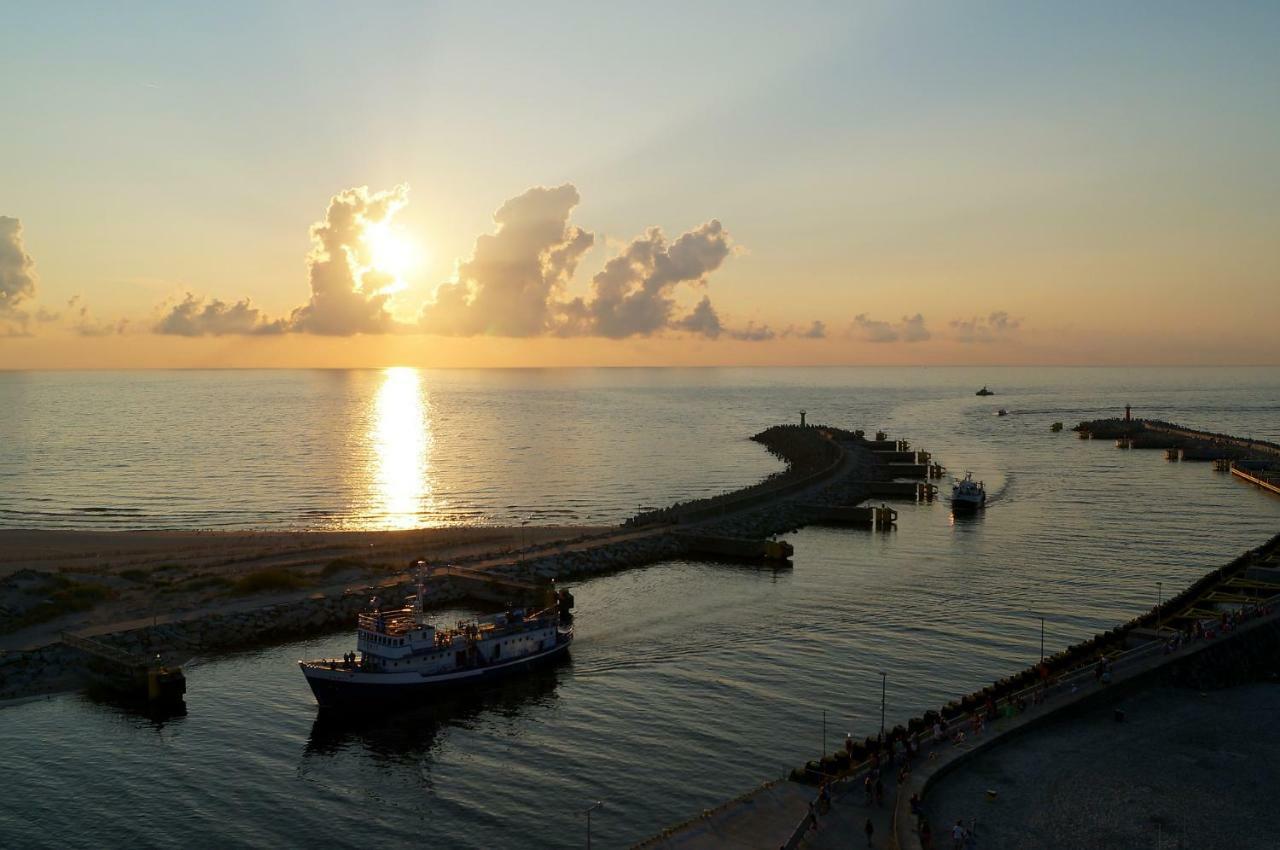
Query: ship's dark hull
x=347 y=694
x=965 y=506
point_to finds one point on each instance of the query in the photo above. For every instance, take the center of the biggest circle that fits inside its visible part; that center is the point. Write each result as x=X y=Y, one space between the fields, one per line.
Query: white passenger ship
x=398 y=654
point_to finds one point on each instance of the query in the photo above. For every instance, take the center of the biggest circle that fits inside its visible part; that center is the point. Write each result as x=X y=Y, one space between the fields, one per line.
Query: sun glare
x=392 y=252
x=401 y=439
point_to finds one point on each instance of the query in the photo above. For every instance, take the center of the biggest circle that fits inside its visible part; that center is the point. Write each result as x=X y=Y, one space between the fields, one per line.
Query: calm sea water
x=689 y=683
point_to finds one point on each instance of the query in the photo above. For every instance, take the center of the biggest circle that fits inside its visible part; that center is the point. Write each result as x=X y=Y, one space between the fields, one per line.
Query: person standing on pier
x=870 y=830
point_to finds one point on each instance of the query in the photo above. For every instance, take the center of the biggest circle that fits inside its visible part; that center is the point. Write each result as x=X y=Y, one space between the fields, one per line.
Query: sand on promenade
x=136 y=574
x=1184 y=769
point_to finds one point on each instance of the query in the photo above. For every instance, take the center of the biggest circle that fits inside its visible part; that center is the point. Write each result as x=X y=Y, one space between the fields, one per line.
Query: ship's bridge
x=393 y=634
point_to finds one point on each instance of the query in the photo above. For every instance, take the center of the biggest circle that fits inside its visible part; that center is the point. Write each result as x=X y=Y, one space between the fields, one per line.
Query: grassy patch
x=197 y=582
x=63 y=596
x=136 y=575
x=340 y=565
x=267 y=580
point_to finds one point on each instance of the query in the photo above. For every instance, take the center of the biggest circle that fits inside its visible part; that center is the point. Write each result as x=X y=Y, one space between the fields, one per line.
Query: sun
x=391 y=252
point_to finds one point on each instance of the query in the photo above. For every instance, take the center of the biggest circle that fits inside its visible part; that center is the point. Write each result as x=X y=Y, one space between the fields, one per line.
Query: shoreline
x=148 y=592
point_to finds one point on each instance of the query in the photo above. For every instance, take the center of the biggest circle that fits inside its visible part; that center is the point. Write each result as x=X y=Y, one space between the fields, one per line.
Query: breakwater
x=825 y=467
x=1157 y=434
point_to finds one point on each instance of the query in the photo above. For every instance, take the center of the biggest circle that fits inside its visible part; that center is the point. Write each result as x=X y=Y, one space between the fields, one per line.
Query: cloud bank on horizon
x=515 y=284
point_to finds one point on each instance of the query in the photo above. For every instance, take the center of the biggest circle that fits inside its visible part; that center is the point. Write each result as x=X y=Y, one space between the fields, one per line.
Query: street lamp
x=1041 y=616
x=587 y=811
x=1159 y=604
x=523 y=544
x=884 y=678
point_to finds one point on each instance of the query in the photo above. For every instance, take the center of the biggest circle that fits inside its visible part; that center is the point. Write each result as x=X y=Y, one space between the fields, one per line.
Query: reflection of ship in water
x=412 y=730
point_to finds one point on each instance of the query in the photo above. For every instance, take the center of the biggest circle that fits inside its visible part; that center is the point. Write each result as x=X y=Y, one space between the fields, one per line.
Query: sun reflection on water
x=402 y=442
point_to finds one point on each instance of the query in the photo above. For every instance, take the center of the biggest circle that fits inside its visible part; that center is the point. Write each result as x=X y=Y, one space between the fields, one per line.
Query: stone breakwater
x=1157 y=434
x=824 y=466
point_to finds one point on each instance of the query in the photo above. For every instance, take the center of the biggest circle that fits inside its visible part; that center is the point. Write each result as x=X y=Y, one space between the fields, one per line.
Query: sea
x=689 y=682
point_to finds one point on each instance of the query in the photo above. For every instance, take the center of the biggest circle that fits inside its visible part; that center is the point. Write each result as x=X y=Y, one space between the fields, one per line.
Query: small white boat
x=1002 y=412
x=968 y=495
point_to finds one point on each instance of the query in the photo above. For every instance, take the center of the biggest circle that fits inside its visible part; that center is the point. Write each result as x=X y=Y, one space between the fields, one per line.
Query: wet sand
x=1183 y=770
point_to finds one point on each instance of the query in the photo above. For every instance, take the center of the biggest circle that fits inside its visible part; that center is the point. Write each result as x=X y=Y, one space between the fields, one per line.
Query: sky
x=502 y=184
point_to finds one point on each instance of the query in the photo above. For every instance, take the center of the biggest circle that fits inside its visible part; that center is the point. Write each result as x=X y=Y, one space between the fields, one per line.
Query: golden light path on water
x=402 y=443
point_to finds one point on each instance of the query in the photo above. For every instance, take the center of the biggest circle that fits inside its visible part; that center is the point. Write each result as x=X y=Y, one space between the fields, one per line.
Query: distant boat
x=984 y=391
x=1002 y=412
x=1055 y=427
x=968 y=495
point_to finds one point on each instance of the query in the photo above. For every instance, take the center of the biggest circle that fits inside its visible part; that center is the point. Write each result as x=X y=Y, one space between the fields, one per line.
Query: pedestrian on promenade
x=868 y=788
x=879 y=793
x=926 y=835
x=957 y=836
x=870 y=830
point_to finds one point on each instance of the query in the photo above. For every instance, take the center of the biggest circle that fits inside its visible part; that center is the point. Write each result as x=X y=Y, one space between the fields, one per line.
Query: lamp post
x=587 y=811
x=1159 y=604
x=1041 y=616
x=884 y=678
x=824 y=734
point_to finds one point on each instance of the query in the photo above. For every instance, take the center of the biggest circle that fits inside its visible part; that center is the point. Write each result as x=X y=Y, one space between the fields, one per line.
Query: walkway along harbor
x=827 y=469
x=1227 y=624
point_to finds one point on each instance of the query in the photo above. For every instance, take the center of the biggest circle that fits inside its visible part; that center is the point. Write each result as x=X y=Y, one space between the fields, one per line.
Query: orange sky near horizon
x=864 y=184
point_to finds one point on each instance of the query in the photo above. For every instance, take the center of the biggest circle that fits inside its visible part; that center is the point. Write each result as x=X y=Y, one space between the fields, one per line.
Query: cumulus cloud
x=909 y=329
x=704 y=320
x=197 y=317
x=997 y=325
x=912 y=329
x=868 y=329
x=17 y=278
x=634 y=294
x=510 y=285
x=816 y=330
x=515 y=284
x=754 y=333
x=348 y=295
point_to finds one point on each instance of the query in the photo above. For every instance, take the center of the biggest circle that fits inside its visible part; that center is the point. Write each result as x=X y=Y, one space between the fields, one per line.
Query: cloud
x=510 y=285
x=704 y=320
x=817 y=330
x=997 y=325
x=514 y=284
x=754 y=333
x=868 y=329
x=912 y=329
x=17 y=278
x=197 y=317
x=347 y=293
x=634 y=294
x=909 y=329
x=83 y=323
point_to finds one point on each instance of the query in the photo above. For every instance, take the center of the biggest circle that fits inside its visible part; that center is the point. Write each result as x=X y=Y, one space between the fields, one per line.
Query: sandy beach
x=54 y=580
